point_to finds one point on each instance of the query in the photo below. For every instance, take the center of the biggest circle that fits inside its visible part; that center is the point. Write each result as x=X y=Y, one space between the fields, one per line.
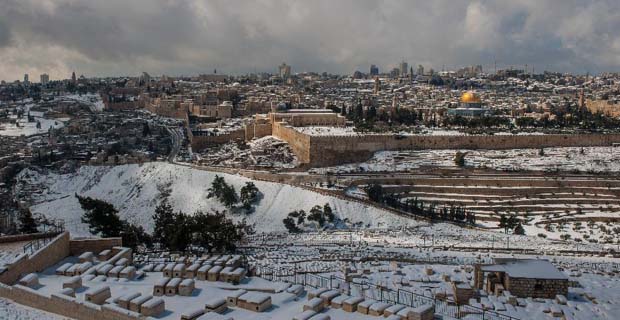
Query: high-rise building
x=26 y=81
x=45 y=78
x=394 y=73
x=420 y=70
x=73 y=79
x=145 y=78
x=284 y=71
x=374 y=70
x=403 y=68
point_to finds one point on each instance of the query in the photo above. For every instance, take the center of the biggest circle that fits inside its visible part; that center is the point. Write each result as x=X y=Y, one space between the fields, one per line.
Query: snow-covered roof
x=526 y=268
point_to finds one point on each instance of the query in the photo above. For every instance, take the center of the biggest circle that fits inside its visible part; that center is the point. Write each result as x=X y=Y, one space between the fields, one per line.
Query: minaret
x=377 y=85
x=582 y=99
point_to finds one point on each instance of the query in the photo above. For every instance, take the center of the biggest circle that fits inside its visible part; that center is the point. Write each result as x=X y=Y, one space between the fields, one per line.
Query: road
x=177 y=138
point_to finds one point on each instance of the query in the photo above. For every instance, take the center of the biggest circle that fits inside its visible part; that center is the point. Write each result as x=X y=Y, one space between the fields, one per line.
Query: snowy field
x=30 y=128
x=135 y=190
x=588 y=159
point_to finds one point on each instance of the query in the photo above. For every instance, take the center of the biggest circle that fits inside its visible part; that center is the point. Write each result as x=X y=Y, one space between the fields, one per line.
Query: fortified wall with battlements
x=328 y=150
x=334 y=150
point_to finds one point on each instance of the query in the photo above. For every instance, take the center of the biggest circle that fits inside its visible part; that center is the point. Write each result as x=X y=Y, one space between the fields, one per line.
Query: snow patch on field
x=135 y=190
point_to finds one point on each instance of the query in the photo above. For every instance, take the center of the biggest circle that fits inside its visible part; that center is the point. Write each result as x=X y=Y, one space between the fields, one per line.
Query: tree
x=459 y=158
x=519 y=230
x=102 y=218
x=164 y=220
x=133 y=236
x=27 y=224
x=224 y=192
x=512 y=222
x=328 y=213
x=290 y=225
x=181 y=237
x=375 y=192
x=229 y=196
x=248 y=195
x=316 y=214
x=503 y=223
x=216 y=187
x=215 y=232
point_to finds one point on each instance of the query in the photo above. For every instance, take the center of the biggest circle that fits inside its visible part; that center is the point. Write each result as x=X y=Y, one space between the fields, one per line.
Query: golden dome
x=470 y=97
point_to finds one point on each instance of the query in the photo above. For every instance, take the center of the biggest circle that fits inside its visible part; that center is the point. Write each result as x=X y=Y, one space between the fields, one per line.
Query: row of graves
x=218 y=287
x=322 y=298
x=179 y=278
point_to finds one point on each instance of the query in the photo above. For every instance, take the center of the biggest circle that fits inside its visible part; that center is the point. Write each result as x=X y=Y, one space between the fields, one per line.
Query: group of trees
x=417 y=207
x=103 y=219
x=227 y=195
x=511 y=222
x=27 y=223
x=178 y=231
x=477 y=122
x=318 y=216
x=364 y=118
x=175 y=231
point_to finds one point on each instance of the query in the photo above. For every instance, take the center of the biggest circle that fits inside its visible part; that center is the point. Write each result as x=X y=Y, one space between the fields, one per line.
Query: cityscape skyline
x=113 y=37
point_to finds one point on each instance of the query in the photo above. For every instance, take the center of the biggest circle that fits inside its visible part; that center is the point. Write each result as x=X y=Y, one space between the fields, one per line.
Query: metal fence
x=36 y=244
x=362 y=288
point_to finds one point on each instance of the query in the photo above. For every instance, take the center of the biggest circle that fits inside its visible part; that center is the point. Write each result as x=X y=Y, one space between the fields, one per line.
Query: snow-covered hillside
x=135 y=190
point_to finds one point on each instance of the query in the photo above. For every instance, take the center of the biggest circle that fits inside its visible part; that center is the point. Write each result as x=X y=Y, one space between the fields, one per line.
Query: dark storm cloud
x=111 y=37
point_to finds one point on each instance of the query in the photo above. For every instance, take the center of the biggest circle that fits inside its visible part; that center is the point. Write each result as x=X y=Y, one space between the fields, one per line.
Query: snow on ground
x=135 y=190
x=588 y=159
x=10 y=310
x=11 y=251
x=265 y=152
x=92 y=99
x=30 y=128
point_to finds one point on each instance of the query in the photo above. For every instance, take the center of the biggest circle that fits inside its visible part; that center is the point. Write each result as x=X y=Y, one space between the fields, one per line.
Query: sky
x=189 y=37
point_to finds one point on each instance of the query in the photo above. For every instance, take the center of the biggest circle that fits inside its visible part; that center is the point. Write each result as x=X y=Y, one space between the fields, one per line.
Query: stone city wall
x=201 y=142
x=333 y=150
x=257 y=130
x=299 y=142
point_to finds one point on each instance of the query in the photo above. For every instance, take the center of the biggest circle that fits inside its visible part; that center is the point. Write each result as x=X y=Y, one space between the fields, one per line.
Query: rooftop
x=527 y=268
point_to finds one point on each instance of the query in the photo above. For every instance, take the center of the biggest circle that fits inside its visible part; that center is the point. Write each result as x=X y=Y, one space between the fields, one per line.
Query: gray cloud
x=115 y=37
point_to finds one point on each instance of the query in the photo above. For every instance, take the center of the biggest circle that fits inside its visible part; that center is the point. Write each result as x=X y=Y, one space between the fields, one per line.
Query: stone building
x=609 y=108
x=522 y=277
